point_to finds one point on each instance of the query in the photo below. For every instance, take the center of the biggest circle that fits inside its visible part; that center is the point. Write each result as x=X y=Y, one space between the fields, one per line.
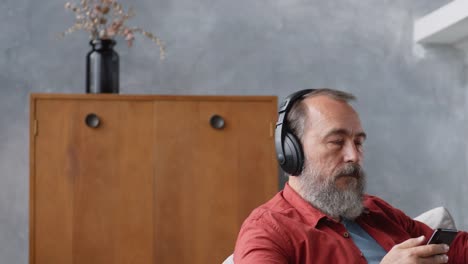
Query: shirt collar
x=311 y=215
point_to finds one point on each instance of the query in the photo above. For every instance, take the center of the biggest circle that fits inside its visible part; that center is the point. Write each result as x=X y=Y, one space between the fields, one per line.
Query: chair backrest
x=437 y=218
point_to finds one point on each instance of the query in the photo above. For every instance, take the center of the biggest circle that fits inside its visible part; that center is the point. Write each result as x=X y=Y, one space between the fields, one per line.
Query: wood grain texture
x=155 y=183
x=53 y=193
x=152 y=98
x=201 y=205
x=93 y=187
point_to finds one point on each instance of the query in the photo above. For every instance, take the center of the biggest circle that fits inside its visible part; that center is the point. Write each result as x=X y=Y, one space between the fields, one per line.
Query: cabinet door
x=92 y=188
x=208 y=180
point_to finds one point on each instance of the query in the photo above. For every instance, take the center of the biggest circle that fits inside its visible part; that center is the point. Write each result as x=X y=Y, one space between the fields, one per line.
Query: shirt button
x=346 y=234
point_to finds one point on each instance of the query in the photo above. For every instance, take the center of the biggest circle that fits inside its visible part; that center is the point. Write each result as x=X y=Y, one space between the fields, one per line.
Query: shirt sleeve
x=411 y=227
x=260 y=242
x=458 y=252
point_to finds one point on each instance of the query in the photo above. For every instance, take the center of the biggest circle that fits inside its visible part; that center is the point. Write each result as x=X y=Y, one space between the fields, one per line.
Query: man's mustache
x=350 y=170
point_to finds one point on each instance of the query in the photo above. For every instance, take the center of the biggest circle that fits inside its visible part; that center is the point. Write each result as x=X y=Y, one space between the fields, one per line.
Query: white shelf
x=446 y=25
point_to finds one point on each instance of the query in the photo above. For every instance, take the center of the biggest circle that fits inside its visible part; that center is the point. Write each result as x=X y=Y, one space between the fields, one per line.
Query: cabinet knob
x=217 y=121
x=92 y=120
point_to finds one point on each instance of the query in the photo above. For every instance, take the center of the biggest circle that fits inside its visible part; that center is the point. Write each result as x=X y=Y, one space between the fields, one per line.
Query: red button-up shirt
x=287 y=229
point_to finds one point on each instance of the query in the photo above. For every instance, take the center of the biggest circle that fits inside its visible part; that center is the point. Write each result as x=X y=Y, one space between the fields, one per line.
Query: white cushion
x=229 y=260
x=438 y=217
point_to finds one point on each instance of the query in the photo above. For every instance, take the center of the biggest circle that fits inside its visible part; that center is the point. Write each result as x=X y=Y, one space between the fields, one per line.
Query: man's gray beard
x=322 y=193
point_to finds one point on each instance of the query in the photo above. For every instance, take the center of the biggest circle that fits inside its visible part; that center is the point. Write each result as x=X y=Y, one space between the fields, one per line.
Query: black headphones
x=288 y=147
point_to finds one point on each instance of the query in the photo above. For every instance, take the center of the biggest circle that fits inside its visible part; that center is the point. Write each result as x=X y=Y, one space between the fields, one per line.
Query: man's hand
x=412 y=251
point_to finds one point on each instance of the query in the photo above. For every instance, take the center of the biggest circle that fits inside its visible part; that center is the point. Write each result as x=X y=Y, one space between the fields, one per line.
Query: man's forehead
x=332 y=115
x=323 y=99
x=324 y=107
x=346 y=132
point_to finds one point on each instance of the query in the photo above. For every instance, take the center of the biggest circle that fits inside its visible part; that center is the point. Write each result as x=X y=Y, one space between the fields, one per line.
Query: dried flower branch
x=106 y=19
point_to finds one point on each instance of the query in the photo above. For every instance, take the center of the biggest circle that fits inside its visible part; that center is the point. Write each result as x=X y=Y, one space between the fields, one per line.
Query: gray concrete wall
x=411 y=100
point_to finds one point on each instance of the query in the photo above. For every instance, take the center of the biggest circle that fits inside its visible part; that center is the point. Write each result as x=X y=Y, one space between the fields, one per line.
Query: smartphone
x=443 y=236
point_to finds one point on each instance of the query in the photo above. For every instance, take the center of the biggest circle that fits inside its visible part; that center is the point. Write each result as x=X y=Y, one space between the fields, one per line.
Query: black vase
x=102 y=67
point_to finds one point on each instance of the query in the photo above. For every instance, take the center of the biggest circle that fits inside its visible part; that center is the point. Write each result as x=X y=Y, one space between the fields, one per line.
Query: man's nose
x=352 y=153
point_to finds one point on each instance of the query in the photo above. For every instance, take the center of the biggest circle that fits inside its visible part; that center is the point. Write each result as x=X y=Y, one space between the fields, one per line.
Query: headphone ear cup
x=293 y=154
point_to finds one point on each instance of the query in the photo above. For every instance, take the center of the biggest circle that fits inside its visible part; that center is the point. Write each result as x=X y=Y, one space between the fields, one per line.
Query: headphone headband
x=288 y=147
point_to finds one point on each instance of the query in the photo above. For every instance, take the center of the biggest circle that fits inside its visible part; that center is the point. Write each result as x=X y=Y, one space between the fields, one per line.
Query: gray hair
x=297 y=117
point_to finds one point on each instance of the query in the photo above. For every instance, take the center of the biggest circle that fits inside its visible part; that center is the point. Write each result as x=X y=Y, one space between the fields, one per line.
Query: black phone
x=443 y=236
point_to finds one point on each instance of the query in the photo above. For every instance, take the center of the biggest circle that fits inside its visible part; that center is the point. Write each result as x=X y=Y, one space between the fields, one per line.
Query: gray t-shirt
x=372 y=251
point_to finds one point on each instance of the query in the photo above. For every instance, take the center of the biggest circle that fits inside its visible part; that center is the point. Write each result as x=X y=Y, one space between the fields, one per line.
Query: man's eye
x=359 y=145
x=337 y=142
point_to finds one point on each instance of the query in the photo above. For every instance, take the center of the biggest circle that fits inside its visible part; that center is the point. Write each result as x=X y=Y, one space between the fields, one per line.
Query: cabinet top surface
x=116 y=97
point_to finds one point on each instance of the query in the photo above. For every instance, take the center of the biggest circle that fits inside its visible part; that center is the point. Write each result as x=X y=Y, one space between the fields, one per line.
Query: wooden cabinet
x=153 y=183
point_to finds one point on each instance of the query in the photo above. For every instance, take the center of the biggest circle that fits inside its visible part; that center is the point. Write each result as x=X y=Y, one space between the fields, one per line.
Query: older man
x=322 y=215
